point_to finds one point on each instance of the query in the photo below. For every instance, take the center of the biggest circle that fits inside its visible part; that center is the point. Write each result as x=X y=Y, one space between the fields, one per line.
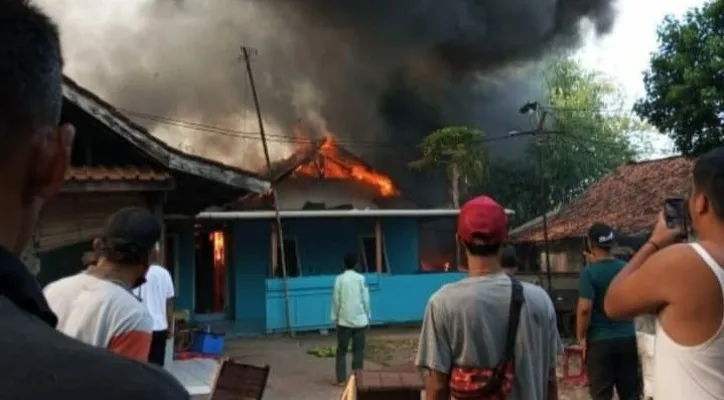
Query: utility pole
x=455 y=172
x=540 y=132
x=246 y=54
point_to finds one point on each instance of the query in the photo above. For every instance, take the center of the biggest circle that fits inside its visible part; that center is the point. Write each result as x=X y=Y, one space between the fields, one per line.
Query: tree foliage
x=590 y=136
x=455 y=146
x=591 y=130
x=685 y=80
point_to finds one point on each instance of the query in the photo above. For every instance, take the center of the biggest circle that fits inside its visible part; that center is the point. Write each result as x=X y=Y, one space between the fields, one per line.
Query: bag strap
x=516 y=303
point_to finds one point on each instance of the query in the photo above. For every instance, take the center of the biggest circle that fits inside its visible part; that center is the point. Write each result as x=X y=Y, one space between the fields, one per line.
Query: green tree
x=460 y=150
x=685 y=80
x=592 y=130
x=590 y=135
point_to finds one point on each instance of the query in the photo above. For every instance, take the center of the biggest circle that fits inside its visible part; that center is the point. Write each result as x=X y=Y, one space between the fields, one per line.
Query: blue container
x=208 y=343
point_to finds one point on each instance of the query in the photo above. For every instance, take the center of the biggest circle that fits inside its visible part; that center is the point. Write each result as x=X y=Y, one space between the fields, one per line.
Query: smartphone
x=676 y=213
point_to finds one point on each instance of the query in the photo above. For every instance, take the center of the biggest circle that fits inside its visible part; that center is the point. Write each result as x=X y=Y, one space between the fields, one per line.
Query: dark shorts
x=614 y=363
x=157 y=353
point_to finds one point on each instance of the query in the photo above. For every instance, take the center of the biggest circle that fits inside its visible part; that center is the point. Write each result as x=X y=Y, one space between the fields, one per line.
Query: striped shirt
x=101 y=313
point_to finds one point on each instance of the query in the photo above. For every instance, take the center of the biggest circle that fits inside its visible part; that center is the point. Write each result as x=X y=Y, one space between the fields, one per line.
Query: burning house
x=331 y=203
x=116 y=163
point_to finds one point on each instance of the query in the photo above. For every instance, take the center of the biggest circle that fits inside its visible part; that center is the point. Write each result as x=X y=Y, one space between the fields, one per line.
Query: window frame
x=292 y=238
x=363 y=254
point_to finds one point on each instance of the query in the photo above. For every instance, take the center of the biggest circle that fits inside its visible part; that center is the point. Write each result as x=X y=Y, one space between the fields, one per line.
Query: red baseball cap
x=483 y=220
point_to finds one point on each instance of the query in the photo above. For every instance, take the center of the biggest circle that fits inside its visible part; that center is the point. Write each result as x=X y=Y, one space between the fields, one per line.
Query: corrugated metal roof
x=125 y=174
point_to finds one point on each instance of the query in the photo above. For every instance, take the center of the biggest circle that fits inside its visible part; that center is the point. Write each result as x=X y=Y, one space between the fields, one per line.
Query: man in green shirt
x=351 y=315
x=609 y=345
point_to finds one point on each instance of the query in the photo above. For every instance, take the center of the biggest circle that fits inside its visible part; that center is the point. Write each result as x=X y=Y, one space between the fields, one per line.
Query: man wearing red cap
x=469 y=323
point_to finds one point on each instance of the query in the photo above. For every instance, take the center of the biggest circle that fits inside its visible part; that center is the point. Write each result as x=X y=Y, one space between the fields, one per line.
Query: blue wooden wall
x=257 y=301
x=185 y=258
x=251 y=258
x=394 y=299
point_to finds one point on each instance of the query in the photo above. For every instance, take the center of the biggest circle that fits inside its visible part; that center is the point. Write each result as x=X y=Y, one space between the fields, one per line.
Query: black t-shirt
x=38 y=362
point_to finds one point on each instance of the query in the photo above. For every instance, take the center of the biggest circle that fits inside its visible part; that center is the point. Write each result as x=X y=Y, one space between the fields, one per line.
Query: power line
x=281 y=138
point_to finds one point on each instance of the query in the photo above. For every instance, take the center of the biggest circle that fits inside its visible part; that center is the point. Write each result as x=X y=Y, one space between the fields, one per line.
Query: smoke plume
x=379 y=74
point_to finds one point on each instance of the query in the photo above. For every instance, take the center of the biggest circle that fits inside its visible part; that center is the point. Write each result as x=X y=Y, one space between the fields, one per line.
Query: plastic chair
x=581 y=378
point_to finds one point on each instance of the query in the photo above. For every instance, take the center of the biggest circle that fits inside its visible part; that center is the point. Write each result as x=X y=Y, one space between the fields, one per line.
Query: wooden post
x=274 y=245
x=246 y=54
x=378 y=245
x=158 y=211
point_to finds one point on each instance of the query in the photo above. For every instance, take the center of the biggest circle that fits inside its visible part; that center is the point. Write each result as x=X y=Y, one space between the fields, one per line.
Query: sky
x=624 y=53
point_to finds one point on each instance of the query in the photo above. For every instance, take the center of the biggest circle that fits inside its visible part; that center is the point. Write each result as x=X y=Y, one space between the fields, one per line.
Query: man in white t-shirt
x=157 y=294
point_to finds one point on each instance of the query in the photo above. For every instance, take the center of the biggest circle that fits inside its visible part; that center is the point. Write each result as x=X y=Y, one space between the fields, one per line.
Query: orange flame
x=331 y=164
x=217 y=237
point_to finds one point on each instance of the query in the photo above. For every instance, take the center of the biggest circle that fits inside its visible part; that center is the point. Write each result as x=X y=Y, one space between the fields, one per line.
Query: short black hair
x=509 y=259
x=483 y=250
x=130 y=235
x=709 y=178
x=350 y=260
x=31 y=77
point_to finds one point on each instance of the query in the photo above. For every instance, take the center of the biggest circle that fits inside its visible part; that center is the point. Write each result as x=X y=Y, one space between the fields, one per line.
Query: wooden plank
x=350 y=390
x=274 y=240
x=378 y=245
x=77 y=218
x=106 y=186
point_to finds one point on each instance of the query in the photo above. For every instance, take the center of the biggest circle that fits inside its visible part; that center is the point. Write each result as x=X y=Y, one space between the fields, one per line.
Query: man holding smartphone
x=609 y=346
x=683 y=284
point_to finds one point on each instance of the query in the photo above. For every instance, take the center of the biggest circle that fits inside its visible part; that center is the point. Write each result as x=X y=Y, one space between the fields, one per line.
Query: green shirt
x=593 y=286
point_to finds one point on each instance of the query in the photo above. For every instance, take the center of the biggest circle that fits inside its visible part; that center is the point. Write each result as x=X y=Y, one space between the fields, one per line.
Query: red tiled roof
x=129 y=173
x=627 y=199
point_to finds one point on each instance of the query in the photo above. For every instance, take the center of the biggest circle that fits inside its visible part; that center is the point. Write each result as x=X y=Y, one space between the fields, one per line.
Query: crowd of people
x=488 y=336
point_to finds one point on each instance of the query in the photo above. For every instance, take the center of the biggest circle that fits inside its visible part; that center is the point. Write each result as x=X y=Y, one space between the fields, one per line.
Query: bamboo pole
x=378 y=245
x=280 y=234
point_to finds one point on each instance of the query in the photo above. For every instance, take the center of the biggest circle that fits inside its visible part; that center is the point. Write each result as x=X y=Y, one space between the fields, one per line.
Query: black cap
x=131 y=230
x=602 y=235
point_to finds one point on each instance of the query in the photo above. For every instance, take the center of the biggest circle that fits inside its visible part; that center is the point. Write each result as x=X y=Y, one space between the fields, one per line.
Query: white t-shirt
x=101 y=313
x=154 y=294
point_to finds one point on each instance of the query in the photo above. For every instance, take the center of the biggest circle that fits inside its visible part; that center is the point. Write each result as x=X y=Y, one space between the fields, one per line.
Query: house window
x=291 y=257
x=368 y=251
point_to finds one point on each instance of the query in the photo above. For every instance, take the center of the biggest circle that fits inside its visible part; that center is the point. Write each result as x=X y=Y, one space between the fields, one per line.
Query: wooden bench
x=384 y=385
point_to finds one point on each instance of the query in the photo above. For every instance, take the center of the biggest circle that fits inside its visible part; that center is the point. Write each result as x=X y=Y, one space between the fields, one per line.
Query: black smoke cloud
x=379 y=73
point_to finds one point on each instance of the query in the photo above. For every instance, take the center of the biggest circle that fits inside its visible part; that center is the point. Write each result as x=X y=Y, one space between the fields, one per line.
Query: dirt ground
x=399 y=348
x=298 y=375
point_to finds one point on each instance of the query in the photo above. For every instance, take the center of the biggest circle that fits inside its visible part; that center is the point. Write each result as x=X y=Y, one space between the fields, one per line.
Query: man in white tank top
x=683 y=284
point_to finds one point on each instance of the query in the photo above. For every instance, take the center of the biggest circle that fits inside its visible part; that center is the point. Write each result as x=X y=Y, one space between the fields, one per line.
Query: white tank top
x=691 y=372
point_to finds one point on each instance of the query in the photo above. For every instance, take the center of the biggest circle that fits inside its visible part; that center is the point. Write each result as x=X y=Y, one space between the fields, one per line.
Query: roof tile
x=127 y=173
x=627 y=199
